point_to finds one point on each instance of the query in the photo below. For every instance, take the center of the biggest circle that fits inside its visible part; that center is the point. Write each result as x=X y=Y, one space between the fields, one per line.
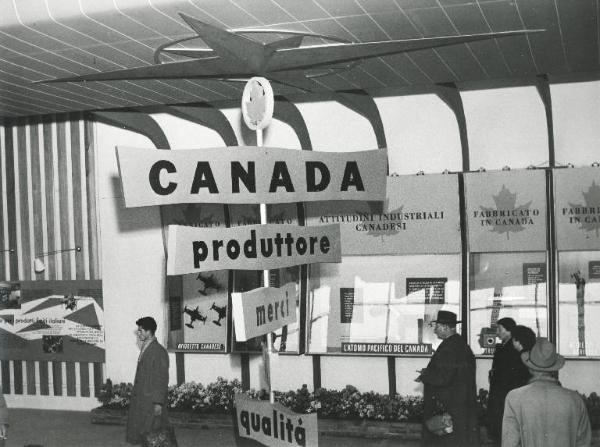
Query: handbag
x=440 y=424
x=162 y=436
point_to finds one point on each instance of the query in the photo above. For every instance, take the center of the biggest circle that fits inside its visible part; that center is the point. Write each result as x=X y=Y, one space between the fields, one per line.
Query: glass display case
x=380 y=305
x=506 y=285
x=579 y=303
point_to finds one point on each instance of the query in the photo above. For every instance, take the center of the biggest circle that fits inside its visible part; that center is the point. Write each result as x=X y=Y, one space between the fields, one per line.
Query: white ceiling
x=46 y=39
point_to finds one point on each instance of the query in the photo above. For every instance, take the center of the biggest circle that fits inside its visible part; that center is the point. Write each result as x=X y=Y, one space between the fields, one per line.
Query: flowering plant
x=348 y=403
x=115 y=396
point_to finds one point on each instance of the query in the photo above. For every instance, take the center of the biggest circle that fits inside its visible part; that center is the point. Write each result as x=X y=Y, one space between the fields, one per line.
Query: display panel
x=203 y=313
x=506 y=285
x=380 y=305
x=506 y=211
x=52 y=321
x=577 y=196
x=420 y=215
x=197 y=301
x=579 y=303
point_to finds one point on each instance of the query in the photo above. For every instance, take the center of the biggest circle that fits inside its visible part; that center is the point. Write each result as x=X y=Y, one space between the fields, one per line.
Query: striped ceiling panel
x=47 y=202
x=43 y=39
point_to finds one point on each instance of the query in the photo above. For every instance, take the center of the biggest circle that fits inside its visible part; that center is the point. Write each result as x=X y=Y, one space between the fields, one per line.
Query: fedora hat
x=446 y=317
x=543 y=357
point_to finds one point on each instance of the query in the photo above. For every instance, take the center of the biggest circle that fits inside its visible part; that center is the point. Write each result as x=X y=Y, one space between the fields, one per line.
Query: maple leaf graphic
x=256 y=104
x=592 y=200
x=505 y=201
x=192 y=216
x=376 y=208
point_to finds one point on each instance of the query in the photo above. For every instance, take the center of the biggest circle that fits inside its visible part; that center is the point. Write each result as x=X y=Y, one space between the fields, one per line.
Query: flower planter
x=180 y=419
x=365 y=428
x=329 y=427
x=356 y=428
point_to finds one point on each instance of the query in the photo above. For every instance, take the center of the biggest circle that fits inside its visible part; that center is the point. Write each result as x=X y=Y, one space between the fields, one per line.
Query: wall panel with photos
x=577 y=210
x=381 y=305
x=400 y=265
x=506 y=221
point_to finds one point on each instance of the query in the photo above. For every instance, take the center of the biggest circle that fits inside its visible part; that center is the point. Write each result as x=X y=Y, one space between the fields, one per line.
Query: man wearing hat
x=543 y=413
x=449 y=385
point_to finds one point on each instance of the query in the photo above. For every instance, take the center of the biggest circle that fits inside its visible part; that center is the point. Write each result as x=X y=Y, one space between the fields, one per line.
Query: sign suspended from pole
x=249 y=175
x=250 y=247
x=263 y=310
x=273 y=424
x=258 y=103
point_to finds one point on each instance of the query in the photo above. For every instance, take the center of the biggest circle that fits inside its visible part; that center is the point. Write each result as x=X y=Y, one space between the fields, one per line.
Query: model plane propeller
x=232 y=55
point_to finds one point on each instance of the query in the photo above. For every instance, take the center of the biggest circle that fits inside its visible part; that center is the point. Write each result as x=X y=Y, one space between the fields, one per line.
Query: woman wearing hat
x=507 y=373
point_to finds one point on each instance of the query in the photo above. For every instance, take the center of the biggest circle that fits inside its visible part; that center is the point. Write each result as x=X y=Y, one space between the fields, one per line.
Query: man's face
x=143 y=334
x=440 y=330
x=503 y=334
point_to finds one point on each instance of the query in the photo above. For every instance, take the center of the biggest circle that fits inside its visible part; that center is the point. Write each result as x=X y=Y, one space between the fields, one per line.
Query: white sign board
x=577 y=208
x=249 y=175
x=420 y=215
x=274 y=425
x=506 y=210
x=250 y=247
x=263 y=310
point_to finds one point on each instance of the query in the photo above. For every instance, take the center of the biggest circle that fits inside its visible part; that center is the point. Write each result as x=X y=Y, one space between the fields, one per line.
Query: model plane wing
x=206 y=68
x=311 y=56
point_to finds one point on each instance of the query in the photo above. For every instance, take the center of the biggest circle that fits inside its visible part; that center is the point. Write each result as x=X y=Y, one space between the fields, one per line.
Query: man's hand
x=157 y=409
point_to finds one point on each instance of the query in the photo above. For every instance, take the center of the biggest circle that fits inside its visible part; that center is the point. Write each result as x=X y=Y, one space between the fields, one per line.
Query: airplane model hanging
x=233 y=56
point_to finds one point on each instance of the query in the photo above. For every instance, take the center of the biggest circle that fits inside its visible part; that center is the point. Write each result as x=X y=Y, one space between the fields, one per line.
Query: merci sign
x=263 y=310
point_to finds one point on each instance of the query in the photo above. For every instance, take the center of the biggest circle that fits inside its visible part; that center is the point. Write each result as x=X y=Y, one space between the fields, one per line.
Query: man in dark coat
x=148 y=408
x=508 y=372
x=449 y=381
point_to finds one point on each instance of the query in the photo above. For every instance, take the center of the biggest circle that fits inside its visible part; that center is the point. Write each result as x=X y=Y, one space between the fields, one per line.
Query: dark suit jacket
x=450 y=380
x=150 y=387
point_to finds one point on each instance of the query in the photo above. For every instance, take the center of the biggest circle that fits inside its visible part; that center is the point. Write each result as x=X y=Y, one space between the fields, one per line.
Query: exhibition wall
x=387 y=288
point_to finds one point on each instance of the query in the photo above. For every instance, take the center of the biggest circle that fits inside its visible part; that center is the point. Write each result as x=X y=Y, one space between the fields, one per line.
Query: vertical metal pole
x=263 y=221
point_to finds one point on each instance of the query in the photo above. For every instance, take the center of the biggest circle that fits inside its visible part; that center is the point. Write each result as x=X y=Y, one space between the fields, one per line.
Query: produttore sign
x=250 y=247
x=263 y=310
x=274 y=425
x=249 y=175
